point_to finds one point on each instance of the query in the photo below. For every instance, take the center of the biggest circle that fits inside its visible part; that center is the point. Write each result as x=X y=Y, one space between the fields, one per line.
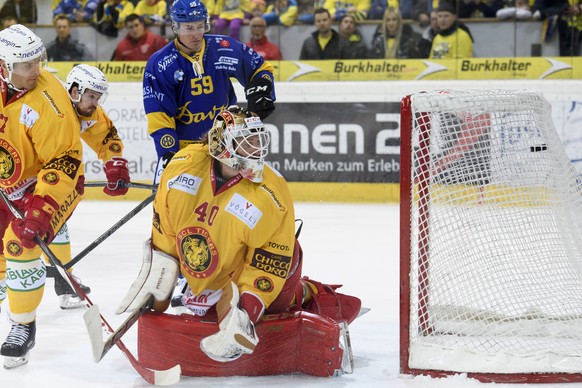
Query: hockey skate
x=18 y=343
x=68 y=298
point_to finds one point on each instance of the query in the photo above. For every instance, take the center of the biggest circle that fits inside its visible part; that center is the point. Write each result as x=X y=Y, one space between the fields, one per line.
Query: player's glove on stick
x=117 y=175
x=259 y=97
x=37 y=217
x=237 y=335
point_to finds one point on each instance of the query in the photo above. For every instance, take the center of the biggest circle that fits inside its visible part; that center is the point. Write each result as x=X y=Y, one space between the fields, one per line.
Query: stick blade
x=94 y=328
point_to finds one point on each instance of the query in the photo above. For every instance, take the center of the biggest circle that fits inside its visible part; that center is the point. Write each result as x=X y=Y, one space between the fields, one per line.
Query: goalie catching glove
x=157 y=278
x=259 y=96
x=237 y=335
x=117 y=175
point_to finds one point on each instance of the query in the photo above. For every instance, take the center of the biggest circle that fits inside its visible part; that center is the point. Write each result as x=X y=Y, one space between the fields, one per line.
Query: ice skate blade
x=15 y=362
x=70 y=302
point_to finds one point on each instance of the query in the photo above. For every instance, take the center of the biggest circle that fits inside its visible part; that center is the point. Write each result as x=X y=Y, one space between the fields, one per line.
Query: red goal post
x=491 y=249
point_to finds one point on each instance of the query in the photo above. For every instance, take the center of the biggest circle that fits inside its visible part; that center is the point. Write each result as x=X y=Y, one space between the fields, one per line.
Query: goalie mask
x=87 y=77
x=239 y=139
x=185 y=14
x=22 y=51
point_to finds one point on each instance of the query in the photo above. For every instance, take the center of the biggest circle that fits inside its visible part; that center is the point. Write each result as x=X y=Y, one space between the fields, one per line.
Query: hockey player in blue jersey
x=188 y=82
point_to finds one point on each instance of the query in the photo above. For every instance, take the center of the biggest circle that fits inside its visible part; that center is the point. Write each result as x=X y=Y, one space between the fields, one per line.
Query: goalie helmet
x=18 y=44
x=87 y=77
x=188 y=11
x=239 y=139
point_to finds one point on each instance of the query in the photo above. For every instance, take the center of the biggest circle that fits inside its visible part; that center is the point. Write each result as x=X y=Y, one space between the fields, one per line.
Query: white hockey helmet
x=87 y=77
x=18 y=44
x=239 y=139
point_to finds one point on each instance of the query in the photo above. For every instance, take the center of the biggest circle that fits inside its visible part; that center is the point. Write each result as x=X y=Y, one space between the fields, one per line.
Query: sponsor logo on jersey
x=50 y=178
x=276 y=265
x=156 y=221
x=167 y=61
x=199 y=256
x=28 y=116
x=86 y=124
x=53 y=104
x=64 y=211
x=149 y=92
x=224 y=43
x=10 y=164
x=186 y=117
x=273 y=197
x=280 y=247
x=23 y=277
x=115 y=148
x=226 y=61
x=187 y=183
x=66 y=164
x=244 y=210
x=263 y=284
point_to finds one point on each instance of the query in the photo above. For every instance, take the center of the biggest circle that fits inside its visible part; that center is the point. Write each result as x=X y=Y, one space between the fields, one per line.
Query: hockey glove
x=259 y=97
x=37 y=217
x=162 y=163
x=117 y=175
x=237 y=335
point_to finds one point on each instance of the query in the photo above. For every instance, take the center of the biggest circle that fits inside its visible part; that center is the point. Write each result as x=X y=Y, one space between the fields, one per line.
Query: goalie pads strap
x=157 y=277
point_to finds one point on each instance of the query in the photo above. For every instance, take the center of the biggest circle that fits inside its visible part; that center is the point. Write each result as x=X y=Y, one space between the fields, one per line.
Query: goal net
x=491 y=249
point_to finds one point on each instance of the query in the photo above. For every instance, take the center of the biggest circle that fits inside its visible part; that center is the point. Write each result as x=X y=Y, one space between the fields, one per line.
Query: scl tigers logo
x=197 y=251
x=10 y=164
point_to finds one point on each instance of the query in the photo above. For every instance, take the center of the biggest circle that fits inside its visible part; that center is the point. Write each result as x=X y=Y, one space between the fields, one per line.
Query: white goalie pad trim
x=157 y=277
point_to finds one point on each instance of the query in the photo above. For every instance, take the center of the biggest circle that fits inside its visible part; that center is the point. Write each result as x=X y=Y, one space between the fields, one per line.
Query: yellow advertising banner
x=377 y=69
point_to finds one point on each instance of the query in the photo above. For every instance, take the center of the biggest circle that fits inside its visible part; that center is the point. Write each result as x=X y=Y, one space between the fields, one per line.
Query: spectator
x=479 y=8
x=8 y=21
x=230 y=13
x=87 y=12
x=357 y=48
x=64 y=47
x=139 y=44
x=282 y=12
x=25 y=11
x=425 y=41
x=67 y=8
x=393 y=38
x=452 y=40
x=325 y=42
x=358 y=8
x=258 y=7
x=152 y=11
x=259 y=42
x=568 y=20
x=519 y=11
x=306 y=8
x=110 y=16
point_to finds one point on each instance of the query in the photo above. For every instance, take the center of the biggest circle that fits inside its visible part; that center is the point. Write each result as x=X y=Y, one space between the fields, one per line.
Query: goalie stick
x=155 y=377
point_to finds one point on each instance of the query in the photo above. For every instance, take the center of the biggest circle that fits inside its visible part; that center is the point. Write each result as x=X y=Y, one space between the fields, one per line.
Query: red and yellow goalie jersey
x=243 y=231
x=39 y=140
x=101 y=135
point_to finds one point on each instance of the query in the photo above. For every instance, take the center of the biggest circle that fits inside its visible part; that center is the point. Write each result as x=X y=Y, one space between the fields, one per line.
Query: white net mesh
x=496 y=212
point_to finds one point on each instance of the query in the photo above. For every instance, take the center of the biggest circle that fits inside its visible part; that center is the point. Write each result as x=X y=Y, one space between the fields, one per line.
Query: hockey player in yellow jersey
x=88 y=89
x=41 y=162
x=226 y=221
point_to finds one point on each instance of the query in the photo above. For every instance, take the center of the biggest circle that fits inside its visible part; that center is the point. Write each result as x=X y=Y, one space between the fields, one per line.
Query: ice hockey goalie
x=311 y=337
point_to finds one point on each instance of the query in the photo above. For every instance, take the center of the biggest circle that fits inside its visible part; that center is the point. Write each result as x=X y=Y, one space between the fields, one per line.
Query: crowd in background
x=336 y=34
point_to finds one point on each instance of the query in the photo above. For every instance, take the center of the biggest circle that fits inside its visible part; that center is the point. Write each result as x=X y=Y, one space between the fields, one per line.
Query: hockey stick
x=155 y=377
x=130 y=185
x=110 y=231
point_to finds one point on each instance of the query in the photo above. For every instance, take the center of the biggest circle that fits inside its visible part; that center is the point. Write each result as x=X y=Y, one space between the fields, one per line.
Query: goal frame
x=406 y=190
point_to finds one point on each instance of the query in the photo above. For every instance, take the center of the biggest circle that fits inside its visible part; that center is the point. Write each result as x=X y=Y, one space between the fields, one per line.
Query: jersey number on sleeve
x=201 y=85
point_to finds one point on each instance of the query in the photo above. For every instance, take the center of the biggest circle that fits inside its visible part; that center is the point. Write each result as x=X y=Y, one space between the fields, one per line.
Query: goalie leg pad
x=156 y=278
x=328 y=302
x=237 y=335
